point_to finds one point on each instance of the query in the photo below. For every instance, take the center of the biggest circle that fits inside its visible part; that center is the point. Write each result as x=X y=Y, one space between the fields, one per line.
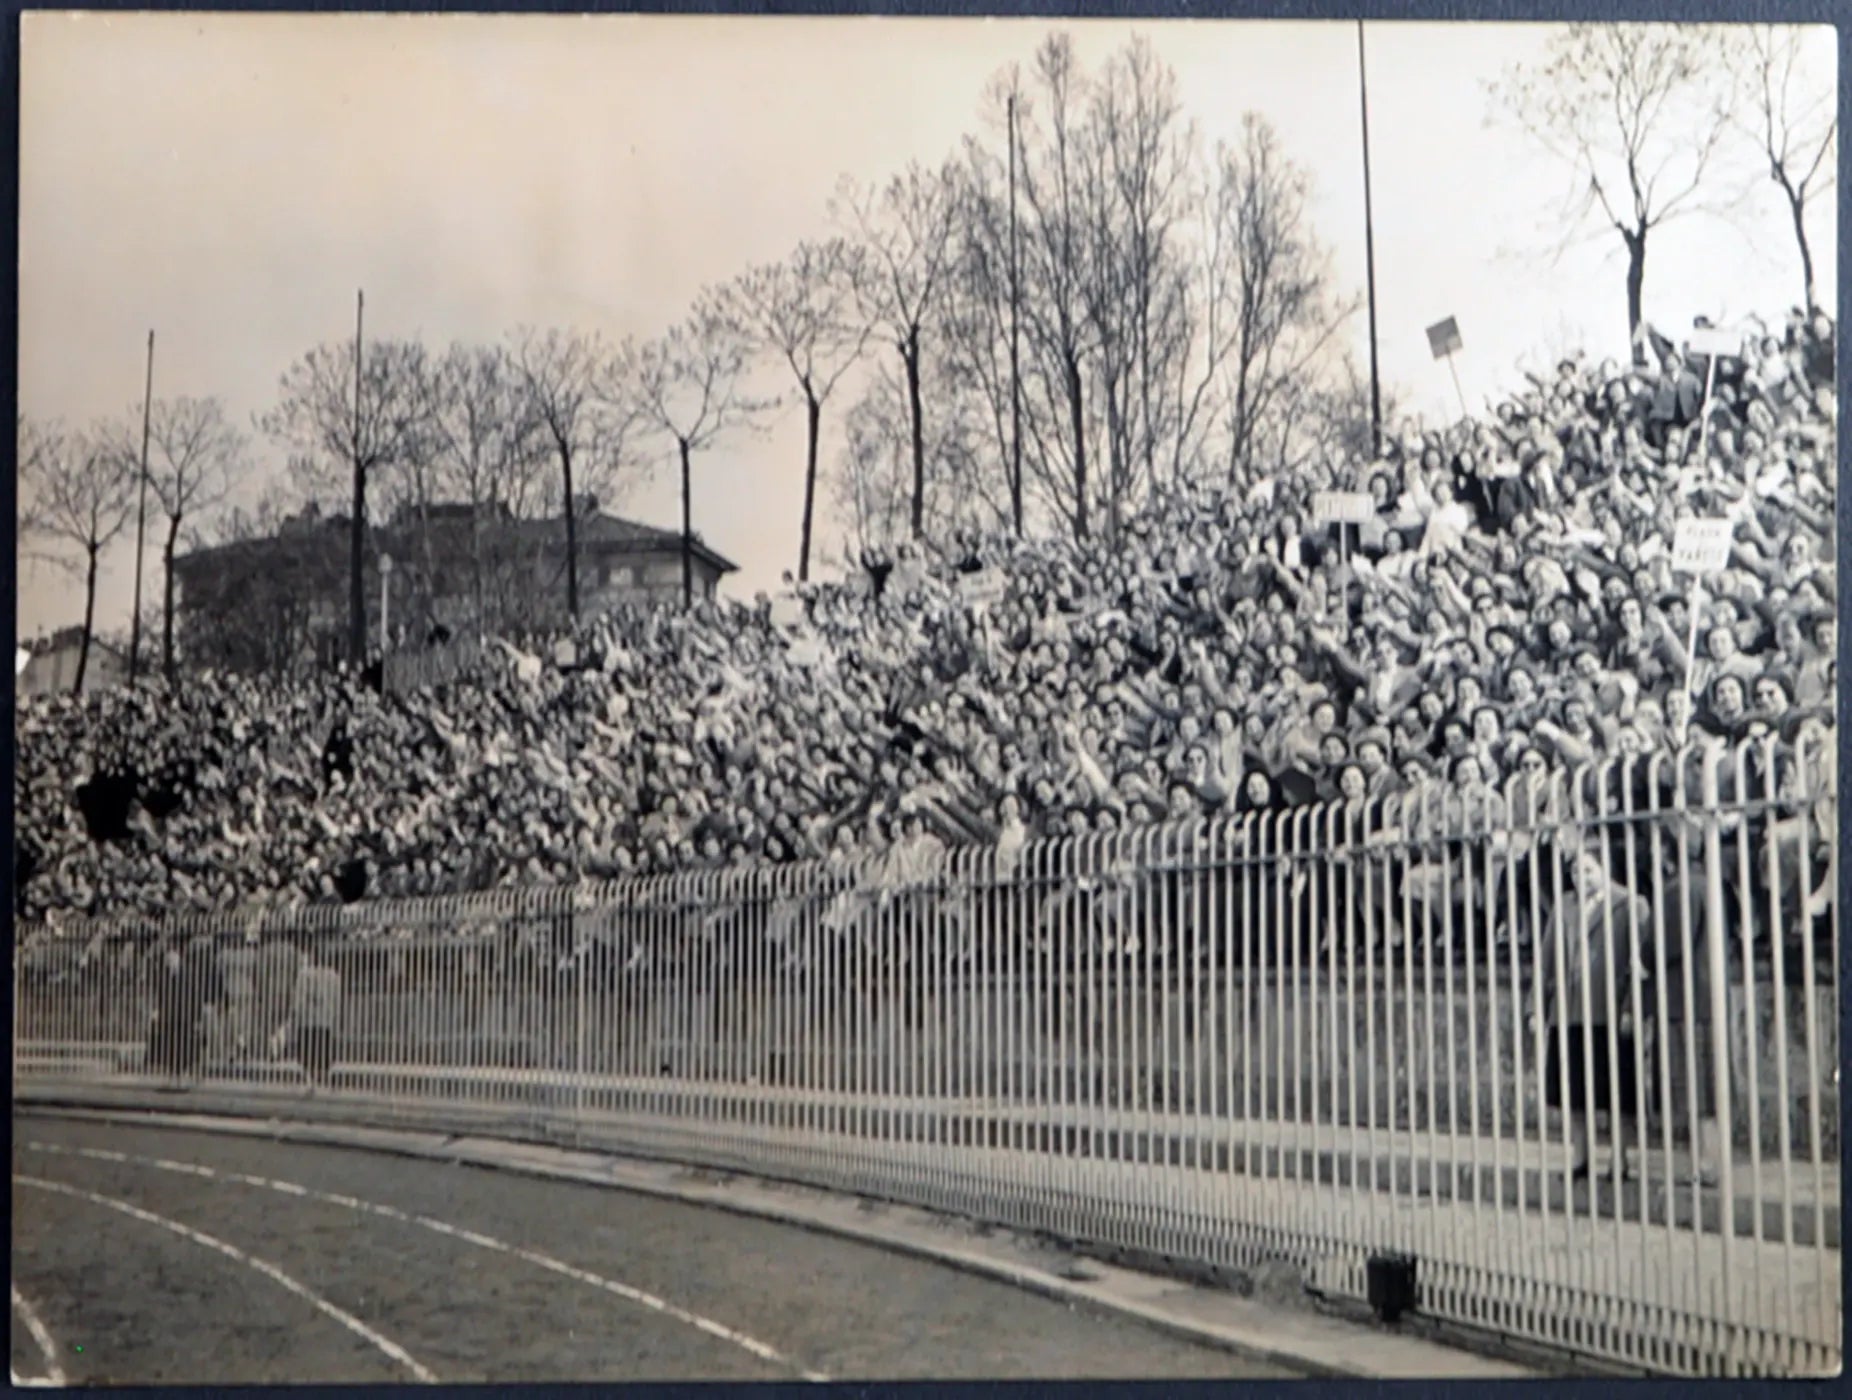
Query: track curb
x=1327 y=1347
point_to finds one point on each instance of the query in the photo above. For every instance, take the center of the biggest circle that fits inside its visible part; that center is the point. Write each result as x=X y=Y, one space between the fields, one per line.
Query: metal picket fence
x=1317 y=1035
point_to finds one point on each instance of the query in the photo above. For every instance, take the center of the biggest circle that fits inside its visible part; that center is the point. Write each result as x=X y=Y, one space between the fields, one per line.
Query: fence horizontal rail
x=1573 y=1044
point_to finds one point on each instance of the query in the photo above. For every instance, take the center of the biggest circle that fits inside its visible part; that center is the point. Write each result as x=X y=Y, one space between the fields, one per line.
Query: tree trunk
x=167 y=598
x=1636 y=281
x=1238 y=437
x=1797 y=207
x=815 y=413
x=1076 y=412
x=83 y=644
x=572 y=533
x=475 y=550
x=356 y=575
x=687 y=534
x=910 y=352
x=1115 y=468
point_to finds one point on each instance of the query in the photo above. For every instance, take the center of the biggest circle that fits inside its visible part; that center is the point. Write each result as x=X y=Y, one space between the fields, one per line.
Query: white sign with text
x=1701 y=546
x=1348 y=507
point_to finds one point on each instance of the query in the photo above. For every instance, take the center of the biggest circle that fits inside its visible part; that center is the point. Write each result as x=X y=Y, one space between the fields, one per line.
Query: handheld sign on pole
x=1699 y=547
x=983 y=589
x=1713 y=343
x=1444 y=341
x=1702 y=546
x=1342 y=507
x=787 y=610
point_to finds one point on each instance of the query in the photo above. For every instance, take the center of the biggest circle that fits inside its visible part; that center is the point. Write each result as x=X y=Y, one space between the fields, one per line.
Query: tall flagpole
x=1015 y=371
x=1369 y=250
x=141 y=516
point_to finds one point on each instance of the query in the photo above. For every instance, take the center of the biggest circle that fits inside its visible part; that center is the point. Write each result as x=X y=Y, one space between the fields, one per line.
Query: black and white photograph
x=854 y=698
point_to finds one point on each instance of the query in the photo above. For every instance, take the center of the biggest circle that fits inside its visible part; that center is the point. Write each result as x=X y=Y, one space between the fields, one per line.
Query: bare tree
x=905 y=233
x=1138 y=159
x=689 y=387
x=372 y=426
x=79 y=493
x=488 y=444
x=872 y=483
x=1268 y=287
x=31 y=442
x=974 y=314
x=1054 y=269
x=804 y=311
x=254 y=607
x=196 y=455
x=1638 y=113
x=1791 y=113
x=562 y=371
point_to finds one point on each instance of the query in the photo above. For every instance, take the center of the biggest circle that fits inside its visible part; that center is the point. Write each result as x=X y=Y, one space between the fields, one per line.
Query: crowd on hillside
x=1509 y=606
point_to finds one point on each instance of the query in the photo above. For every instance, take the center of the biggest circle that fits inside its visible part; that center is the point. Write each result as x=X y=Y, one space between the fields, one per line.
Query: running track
x=149 y=1256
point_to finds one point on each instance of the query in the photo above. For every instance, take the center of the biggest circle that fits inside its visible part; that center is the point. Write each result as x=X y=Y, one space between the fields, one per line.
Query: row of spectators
x=1509 y=606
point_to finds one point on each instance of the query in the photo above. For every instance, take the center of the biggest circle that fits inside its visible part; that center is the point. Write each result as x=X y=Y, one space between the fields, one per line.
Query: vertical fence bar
x=1778 y=986
x=1741 y=797
x=1717 y=955
x=1811 y=766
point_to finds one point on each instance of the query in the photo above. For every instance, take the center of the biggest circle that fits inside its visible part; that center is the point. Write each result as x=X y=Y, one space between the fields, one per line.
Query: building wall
x=54 y=671
x=315 y=588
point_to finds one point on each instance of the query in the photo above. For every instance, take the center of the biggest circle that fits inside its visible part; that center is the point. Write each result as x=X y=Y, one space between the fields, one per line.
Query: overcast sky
x=229 y=181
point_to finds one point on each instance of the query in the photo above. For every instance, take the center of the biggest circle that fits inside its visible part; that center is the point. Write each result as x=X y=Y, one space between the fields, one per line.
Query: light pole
x=141 y=517
x=1369 y=249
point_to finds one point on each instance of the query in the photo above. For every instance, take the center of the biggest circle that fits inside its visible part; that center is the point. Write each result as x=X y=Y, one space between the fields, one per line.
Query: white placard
x=1701 y=546
x=1715 y=340
x=1330 y=507
x=787 y=610
x=983 y=589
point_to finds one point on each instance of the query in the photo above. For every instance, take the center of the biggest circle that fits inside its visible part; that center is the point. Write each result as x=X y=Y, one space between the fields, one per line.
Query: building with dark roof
x=280 y=602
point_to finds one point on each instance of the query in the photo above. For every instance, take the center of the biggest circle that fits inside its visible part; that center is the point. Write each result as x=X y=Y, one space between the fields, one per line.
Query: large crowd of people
x=1509 y=605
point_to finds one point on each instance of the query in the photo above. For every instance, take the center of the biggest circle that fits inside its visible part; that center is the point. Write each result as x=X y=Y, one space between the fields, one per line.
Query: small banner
x=1342 y=507
x=1444 y=338
x=1701 y=546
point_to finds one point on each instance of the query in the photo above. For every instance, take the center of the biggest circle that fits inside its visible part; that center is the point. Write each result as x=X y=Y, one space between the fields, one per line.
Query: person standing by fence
x=315 y=1017
x=1598 y=953
x=189 y=984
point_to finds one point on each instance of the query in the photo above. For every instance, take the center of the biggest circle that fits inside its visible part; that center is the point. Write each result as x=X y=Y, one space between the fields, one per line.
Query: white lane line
x=41 y=1336
x=230 y=1251
x=481 y=1241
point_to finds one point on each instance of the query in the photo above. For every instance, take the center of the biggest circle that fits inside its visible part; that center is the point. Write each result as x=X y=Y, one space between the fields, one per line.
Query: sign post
x=1444 y=341
x=1712 y=343
x=1699 y=547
